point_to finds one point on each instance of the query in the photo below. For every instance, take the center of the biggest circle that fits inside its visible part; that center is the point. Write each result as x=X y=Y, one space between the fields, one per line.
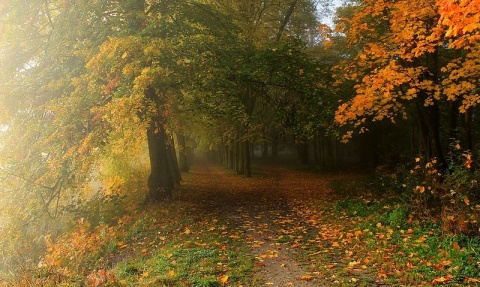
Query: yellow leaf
x=224 y=279
x=144 y=250
x=188 y=231
x=171 y=273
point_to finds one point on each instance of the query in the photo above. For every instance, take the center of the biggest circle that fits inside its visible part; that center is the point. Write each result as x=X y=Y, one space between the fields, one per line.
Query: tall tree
x=403 y=68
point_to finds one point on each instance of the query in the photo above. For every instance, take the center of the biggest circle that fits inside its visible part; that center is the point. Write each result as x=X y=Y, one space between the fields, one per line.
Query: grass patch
x=171 y=244
x=394 y=246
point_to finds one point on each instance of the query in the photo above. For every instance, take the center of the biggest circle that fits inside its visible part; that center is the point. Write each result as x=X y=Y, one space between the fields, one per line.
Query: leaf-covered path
x=266 y=212
x=283 y=227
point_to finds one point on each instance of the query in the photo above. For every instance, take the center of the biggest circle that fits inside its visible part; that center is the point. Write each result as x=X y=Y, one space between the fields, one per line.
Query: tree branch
x=285 y=20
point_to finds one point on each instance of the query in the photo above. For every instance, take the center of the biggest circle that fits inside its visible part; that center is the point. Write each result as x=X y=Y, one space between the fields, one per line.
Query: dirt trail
x=264 y=209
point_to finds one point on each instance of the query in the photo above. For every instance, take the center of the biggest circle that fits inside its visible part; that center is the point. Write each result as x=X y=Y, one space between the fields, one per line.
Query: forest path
x=267 y=211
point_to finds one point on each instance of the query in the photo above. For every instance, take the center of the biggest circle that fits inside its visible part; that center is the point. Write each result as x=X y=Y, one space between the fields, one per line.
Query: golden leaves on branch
x=397 y=38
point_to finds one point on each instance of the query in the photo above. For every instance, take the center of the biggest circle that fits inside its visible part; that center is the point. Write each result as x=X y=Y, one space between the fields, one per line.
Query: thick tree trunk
x=160 y=181
x=429 y=123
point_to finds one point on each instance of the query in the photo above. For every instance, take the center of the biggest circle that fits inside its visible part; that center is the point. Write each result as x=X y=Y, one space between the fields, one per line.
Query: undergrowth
x=160 y=246
x=394 y=244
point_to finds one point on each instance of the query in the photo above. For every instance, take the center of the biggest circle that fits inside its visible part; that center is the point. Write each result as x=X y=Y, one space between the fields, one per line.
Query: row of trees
x=83 y=82
x=93 y=76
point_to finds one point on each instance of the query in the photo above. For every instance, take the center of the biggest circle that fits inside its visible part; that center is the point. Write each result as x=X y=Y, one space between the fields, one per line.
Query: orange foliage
x=401 y=41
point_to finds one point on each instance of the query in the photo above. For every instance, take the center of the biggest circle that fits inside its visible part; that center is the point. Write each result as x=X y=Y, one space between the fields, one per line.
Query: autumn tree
x=412 y=63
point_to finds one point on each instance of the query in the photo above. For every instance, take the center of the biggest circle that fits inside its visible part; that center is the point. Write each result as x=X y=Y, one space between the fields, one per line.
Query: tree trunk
x=468 y=129
x=302 y=151
x=183 y=163
x=238 y=154
x=275 y=146
x=264 y=145
x=231 y=155
x=160 y=180
x=429 y=123
x=173 y=162
x=247 y=171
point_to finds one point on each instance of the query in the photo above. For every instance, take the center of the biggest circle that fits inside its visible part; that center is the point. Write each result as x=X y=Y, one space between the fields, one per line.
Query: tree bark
x=160 y=180
x=284 y=23
x=183 y=163
x=173 y=162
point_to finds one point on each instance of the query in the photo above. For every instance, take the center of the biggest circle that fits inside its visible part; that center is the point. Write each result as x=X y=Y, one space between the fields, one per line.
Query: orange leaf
x=306 y=278
x=224 y=279
x=422 y=239
x=455 y=245
x=442 y=279
x=382 y=274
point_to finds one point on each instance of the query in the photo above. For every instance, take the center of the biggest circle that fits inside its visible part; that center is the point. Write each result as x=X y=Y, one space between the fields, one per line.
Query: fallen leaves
x=223 y=279
x=442 y=279
x=306 y=278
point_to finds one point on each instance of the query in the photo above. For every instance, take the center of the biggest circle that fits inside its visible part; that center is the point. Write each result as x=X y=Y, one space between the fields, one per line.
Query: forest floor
x=286 y=226
x=269 y=210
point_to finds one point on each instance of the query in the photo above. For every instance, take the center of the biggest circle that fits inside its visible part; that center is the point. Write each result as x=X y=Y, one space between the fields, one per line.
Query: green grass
x=420 y=252
x=164 y=245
